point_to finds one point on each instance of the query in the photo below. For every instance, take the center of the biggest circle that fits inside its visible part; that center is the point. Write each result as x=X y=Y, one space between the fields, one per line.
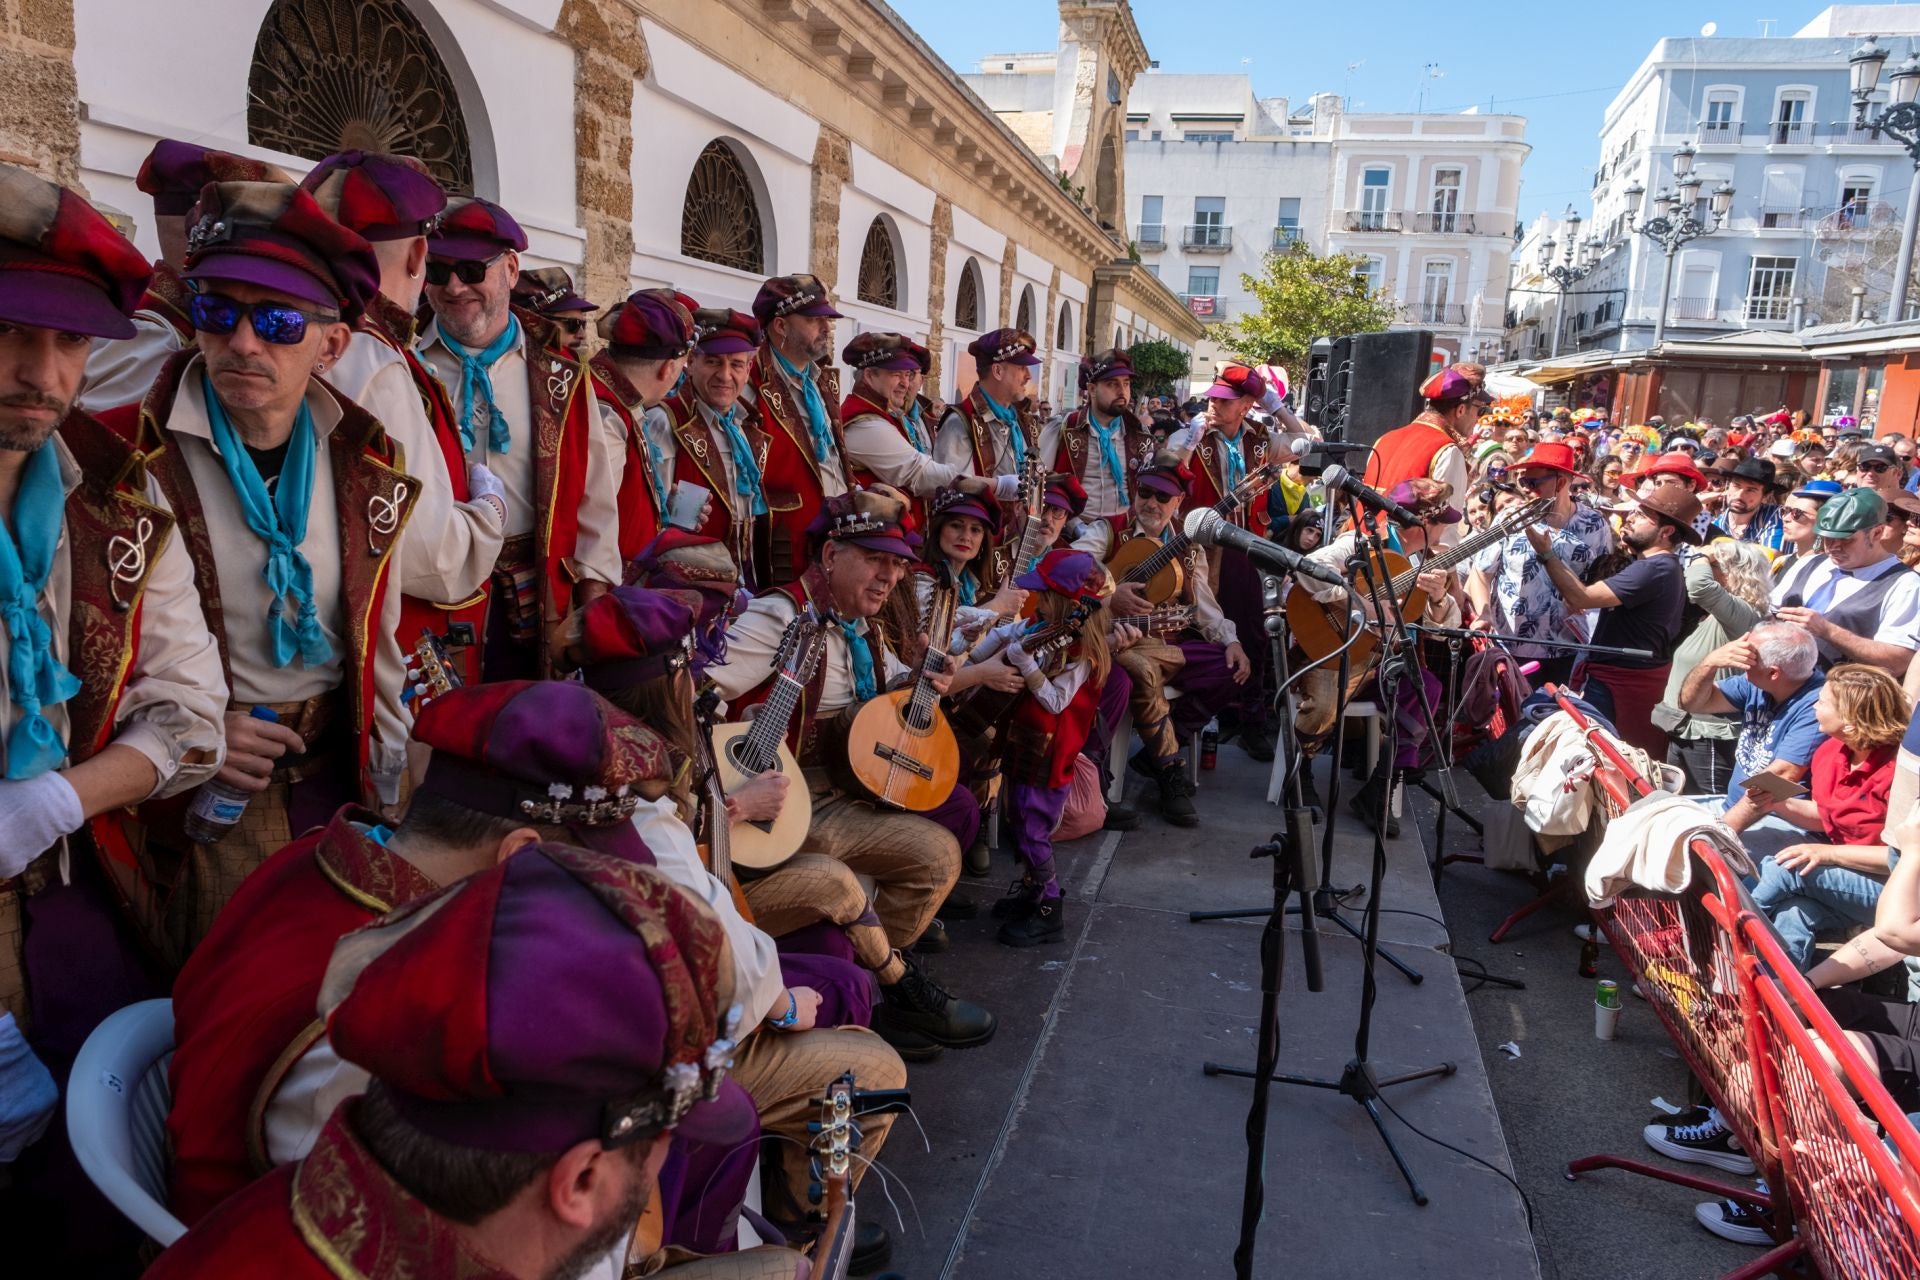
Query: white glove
x=482 y=483
x=1006 y=488
x=1021 y=660
x=27 y=1093
x=35 y=813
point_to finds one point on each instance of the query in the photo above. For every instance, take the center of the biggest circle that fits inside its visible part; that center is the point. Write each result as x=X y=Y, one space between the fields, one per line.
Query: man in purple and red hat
x=110 y=691
x=992 y=430
x=882 y=442
x=1102 y=442
x=525 y=408
x=862 y=552
x=1433 y=445
x=793 y=395
x=649 y=339
x=392 y=203
x=548 y=292
x=536 y=1035
x=252 y=1080
x=720 y=451
x=120 y=371
x=293 y=508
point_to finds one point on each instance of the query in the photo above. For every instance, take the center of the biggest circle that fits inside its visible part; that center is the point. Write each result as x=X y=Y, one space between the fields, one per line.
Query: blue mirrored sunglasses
x=275 y=322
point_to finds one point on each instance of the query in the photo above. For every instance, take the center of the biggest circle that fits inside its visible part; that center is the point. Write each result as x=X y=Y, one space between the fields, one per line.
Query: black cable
x=1518 y=1189
x=1480 y=978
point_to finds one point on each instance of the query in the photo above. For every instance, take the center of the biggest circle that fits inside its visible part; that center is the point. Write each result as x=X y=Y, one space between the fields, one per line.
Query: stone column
x=1050 y=333
x=39 y=93
x=609 y=54
x=832 y=170
x=941 y=235
x=1009 y=262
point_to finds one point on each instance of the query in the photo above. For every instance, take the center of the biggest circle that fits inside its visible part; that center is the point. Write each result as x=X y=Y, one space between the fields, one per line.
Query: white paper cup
x=1606 y=1022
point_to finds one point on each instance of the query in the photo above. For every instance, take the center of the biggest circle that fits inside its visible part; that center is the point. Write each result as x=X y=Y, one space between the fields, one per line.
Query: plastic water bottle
x=219 y=806
x=1210 y=744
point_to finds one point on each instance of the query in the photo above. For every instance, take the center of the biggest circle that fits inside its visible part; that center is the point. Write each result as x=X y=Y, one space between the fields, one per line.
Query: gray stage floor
x=1084 y=1141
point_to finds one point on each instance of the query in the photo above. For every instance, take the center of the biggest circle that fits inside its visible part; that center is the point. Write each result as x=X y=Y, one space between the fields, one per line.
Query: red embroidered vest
x=1406 y=453
x=697 y=461
x=1041 y=744
x=1210 y=472
x=791 y=474
x=980 y=421
x=1077 y=445
x=640 y=514
x=856 y=405
x=803 y=731
x=566 y=444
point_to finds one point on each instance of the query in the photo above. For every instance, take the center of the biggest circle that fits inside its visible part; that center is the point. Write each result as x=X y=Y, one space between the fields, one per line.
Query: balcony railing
x=1439 y=312
x=1207 y=306
x=1692 y=309
x=1284 y=238
x=1151 y=235
x=1452 y=223
x=1790 y=133
x=1782 y=217
x=1374 y=220
x=1769 y=308
x=1721 y=132
x=1207 y=237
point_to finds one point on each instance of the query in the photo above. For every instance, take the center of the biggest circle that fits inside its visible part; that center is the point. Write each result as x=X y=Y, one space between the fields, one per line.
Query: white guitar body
x=762 y=845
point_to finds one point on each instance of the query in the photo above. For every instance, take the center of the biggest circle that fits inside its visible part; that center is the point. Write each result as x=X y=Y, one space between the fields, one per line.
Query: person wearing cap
x=1902 y=533
x=534 y=1037
x=251 y=1080
x=1432 y=446
x=1062 y=502
x=862 y=552
x=1800 y=544
x=923 y=412
x=991 y=430
x=1186 y=644
x=963 y=531
x=111 y=690
x=1507 y=582
x=887 y=431
x=119 y=370
x=293 y=507
x=1859 y=601
x=1751 y=514
x=720 y=449
x=1876 y=467
x=649 y=338
x=1102 y=442
x=1641 y=607
x=391 y=202
x=524 y=408
x=548 y=292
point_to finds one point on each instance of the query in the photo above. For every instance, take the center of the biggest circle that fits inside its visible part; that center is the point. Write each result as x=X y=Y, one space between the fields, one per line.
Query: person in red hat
x=649 y=338
x=112 y=690
x=1673 y=472
x=524 y=408
x=535 y=1036
x=1508 y=583
x=992 y=429
x=1102 y=442
x=1433 y=445
x=862 y=552
x=120 y=370
x=392 y=203
x=720 y=451
x=293 y=508
x=888 y=436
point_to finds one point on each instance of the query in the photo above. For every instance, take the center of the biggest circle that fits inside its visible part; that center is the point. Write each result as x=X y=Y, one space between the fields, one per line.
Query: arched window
x=966 y=297
x=720 y=218
x=879 y=269
x=1063 y=333
x=340 y=75
x=1023 y=318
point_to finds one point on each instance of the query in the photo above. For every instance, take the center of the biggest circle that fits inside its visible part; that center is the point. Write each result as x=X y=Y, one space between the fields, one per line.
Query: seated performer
x=718 y=446
x=961 y=533
x=888 y=434
x=861 y=554
x=1102 y=442
x=536 y=1034
x=293 y=508
x=1185 y=642
x=649 y=337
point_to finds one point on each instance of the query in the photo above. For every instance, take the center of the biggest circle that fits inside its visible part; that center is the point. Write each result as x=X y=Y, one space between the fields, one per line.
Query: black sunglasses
x=274 y=322
x=470 y=271
x=1874 y=466
x=1152 y=495
x=574 y=327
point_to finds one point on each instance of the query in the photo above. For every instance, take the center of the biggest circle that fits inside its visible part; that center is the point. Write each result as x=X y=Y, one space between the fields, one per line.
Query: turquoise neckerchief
x=657 y=476
x=916 y=430
x=1236 y=463
x=818 y=429
x=861 y=659
x=36 y=678
x=476 y=383
x=280 y=521
x=969 y=591
x=1012 y=421
x=746 y=472
x=1109 y=451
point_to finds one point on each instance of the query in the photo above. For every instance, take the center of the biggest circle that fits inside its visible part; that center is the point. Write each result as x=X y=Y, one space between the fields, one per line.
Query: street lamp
x=1901 y=120
x=1577 y=260
x=1673 y=223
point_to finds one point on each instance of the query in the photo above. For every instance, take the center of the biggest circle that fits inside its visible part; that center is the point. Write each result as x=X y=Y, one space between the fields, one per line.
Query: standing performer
x=886 y=429
x=1102 y=442
x=718 y=445
x=391 y=202
x=1433 y=445
x=793 y=395
x=525 y=409
x=548 y=292
x=992 y=430
x=649 y=338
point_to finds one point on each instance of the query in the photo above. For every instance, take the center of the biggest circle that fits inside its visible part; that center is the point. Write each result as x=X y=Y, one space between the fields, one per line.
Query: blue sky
x=1558 y=65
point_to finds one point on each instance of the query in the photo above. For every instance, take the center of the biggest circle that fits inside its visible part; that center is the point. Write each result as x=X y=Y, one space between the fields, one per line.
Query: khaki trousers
x=1151 y=663
x=787 y=1072
x=811 y=888
x=214 y=871
x=766 y=1262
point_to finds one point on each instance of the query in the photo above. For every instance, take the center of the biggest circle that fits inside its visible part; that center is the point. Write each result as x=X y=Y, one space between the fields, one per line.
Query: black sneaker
x=1121 y=816
x=1257 y=742
x=1369 y=804
x=1176 y=795
x=1017 y=901
x=911 y=1045
x=872 y=1249
x=918 y=1003
x=977 y=861
x=933 y=940
x=1709 y=1142
x=1144 y=764
x=1692 y=1115
x=1736 y=1221
x=1046 y=922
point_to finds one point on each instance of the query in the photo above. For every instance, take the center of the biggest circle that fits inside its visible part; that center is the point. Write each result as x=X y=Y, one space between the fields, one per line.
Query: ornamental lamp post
x=1901 y=121
x=1577 y=260
x=1673 y=223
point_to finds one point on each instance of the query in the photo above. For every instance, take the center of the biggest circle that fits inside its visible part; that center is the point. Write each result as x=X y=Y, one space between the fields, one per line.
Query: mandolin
x=900 y=750
x=431 y=672
x=1156 y=566
x=744 y=751
x=1320 y=629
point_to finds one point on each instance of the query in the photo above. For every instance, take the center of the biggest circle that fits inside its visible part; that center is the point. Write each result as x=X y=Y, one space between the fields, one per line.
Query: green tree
x=1159 y=367
x=1300 y=296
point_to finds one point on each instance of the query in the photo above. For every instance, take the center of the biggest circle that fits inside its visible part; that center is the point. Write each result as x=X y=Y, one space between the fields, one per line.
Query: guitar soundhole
x=737 y=756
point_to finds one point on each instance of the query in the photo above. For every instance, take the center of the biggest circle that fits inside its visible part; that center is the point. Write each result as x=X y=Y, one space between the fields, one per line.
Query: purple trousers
x=1242 y=599
x=1205 y=687
x=1031 y=815
x=819 y=956
x=702 y=1186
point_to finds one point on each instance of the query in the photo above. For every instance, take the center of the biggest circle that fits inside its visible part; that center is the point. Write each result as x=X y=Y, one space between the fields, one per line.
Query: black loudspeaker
x=1379 y=377
x=1313 y=401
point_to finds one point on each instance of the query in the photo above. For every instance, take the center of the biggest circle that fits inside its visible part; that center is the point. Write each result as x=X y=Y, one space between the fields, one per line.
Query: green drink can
x=1606 y=994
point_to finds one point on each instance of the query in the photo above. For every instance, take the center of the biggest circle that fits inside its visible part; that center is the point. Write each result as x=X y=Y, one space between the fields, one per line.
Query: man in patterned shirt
x=1508 y=583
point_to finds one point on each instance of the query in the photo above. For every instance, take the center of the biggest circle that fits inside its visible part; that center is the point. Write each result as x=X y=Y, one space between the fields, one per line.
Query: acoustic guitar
x=979 y=711
x=1033 y=497
x=742 y=752
x=1156 y=566
x=1320 y=629
x=835 y=1142
x=900 y=750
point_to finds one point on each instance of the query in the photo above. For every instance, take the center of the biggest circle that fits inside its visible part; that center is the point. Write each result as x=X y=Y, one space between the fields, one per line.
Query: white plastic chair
x=117 y=1100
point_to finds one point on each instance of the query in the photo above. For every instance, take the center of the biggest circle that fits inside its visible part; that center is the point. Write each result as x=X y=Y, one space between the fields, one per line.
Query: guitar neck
x=1469 y=547
x=769 y=729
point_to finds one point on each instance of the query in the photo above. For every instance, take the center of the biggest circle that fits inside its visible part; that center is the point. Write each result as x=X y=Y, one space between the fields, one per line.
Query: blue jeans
x=1802 y=905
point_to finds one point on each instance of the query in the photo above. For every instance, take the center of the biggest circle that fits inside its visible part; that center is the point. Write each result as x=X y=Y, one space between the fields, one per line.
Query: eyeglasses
x=574 y=327
x=470 y=271
x=1149 y=495
x=1541 y=481
x=1798 y=517
x=274 y=322
x=1580 y=489
x=1875 y=467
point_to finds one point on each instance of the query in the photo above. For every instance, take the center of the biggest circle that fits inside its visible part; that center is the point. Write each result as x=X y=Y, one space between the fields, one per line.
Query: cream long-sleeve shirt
x=121 y=370
x=877 y=445
x=953 y=445
x=753 y=645
x=596 y=554
x=451 y=564
x=1096 y=539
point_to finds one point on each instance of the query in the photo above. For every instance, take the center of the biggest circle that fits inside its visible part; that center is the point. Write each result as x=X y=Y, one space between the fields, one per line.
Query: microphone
x=1206 y=527
x=1366 y=495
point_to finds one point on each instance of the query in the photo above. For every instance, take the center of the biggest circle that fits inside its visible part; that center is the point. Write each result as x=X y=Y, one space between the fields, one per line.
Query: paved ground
x=1084 y=1141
